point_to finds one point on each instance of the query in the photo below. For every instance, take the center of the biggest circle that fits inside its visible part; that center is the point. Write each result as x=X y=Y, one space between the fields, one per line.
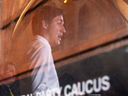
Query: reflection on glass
x=48 y=28
x=9 y=87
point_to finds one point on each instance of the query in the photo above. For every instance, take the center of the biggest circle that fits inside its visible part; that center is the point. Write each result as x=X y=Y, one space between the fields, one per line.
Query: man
x=10 y=87
x=48 y=28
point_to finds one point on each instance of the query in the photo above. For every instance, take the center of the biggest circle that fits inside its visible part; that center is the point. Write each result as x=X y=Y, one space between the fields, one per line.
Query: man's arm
x=41 y=61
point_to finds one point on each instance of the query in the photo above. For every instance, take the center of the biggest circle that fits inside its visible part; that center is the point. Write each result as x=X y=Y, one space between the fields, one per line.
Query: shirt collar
x=42 y=39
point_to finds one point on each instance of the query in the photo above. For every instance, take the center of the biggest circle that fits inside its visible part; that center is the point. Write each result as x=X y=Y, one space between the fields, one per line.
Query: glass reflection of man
x=8 y=88
x=48 y=28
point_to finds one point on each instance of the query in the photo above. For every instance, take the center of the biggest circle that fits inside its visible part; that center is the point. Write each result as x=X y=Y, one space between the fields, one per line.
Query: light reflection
x=65 y=1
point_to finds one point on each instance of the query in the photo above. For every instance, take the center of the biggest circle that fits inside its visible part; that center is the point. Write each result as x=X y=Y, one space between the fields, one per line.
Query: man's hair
x=46 y=13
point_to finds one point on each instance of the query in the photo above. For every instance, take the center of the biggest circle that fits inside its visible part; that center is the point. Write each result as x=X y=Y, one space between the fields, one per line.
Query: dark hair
x=46 y=13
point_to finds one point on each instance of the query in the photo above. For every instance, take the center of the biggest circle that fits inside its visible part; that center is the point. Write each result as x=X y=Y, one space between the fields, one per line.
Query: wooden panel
x=91 y=43
x=12 y=9
x=123 y=6
x=95 y=51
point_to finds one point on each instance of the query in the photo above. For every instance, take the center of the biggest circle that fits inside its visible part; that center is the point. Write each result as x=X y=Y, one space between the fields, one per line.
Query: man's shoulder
x=3 y=86
x=40 y=46
x=40 y=42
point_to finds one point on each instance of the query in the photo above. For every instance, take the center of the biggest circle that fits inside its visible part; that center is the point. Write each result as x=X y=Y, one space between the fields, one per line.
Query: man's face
x=10 y=73
x=56 y=30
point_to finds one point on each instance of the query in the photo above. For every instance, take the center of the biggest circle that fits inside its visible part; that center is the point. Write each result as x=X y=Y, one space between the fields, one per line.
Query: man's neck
x=45 y=35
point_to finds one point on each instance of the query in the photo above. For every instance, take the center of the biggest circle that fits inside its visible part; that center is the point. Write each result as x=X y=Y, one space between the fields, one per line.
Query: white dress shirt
x=43 y=66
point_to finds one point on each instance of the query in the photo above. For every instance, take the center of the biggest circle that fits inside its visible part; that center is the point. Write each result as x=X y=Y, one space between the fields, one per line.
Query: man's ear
x=44 y=24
